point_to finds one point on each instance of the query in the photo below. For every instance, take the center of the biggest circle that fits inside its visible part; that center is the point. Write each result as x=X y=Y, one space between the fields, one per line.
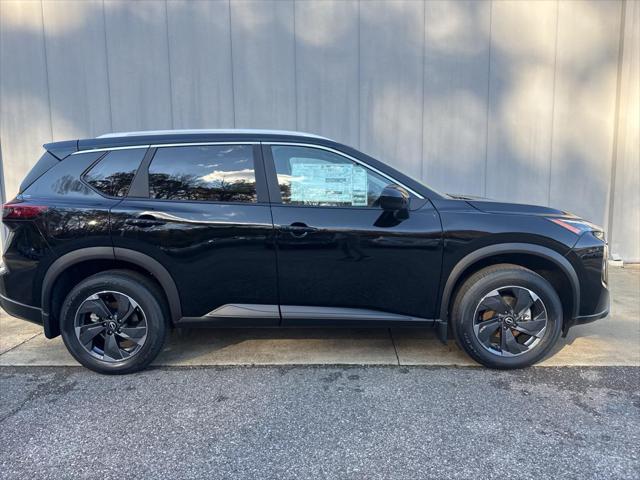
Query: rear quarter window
x=63 y=179
x=45 y=162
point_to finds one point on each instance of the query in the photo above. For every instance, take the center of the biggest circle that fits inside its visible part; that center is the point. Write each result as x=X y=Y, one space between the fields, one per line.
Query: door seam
x=395 y=349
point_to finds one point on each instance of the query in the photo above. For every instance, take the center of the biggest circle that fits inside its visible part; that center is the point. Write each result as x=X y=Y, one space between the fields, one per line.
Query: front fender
x=508 y=248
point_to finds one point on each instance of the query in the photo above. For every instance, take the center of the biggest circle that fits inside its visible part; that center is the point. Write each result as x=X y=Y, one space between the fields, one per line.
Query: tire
x=138 y=339
x=494 y=295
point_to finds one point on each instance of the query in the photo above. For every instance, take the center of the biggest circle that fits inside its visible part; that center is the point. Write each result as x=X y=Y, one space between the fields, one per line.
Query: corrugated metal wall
x=531 y=101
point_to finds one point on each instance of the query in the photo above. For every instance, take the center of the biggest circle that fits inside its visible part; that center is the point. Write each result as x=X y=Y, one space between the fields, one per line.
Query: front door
x=340 y=256
x=202 y=212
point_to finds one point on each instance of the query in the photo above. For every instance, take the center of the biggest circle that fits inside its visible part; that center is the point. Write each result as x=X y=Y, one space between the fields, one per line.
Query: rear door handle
x=145 y=221
x=298 y=229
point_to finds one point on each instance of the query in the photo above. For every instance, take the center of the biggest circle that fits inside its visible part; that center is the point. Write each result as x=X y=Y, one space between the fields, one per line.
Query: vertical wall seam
x=616 y=124
x=46 y=69
x=106 y=60
x=486 y=131
x=553 y=103
x=233 y=83
x=166 y=24
x=424 y=65
x=2 y=194
x=295 y=68
x=359 y=20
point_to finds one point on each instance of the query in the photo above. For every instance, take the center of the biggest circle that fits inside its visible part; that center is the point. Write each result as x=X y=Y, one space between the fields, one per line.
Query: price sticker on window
x=328 y=183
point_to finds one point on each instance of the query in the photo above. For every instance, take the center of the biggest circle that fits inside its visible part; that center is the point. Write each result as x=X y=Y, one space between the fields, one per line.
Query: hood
x=490 y=206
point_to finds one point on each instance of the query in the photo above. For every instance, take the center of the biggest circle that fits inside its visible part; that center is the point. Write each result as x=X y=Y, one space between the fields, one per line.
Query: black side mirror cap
x=394 y=199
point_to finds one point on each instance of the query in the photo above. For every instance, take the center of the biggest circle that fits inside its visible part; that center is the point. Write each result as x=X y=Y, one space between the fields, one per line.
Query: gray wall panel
x=588 y=41
x=391 y=71
x=200 y=54
x=456 y=80
x=624 y=227
x=263 y=64
x=80 y=104
x=24 y=95
x=327 y=69
x=523 y=43
x=138 y=58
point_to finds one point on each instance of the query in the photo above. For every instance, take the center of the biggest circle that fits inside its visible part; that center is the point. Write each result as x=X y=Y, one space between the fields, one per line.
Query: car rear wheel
x=506 y=316
x=114 y=322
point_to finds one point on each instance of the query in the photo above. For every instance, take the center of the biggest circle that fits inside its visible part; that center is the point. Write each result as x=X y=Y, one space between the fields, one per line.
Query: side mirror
x=394 y=199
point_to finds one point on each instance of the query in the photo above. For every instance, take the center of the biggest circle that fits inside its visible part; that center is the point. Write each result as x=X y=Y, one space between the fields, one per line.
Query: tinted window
x=222 y=173
x=45 y=163
x=64 y=178
x=113 y=174
x=311 y=176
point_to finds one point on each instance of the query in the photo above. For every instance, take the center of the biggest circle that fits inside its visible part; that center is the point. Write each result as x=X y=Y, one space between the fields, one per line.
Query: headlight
x=579 y=226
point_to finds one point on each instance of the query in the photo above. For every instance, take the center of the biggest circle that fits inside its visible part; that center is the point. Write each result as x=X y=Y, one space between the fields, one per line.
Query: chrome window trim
x=160 y=145
x=201 y=144
x=292 y=144
x=108 y=149
x=342 y=154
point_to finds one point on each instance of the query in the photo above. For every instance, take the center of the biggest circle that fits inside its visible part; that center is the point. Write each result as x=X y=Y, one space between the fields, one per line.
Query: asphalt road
x=320 y=422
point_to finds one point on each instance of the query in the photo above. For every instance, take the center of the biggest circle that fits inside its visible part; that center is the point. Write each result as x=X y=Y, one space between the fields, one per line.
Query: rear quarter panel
x=77 y=217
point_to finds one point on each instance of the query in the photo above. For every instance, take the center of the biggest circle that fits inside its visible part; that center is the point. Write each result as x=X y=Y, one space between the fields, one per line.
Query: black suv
x=113 y=240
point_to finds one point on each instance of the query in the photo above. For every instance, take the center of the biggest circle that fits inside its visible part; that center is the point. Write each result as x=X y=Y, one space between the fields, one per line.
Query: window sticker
x=318 y=183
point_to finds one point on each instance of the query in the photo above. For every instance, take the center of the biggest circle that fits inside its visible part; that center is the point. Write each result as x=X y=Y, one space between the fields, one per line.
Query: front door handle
x=298 y=229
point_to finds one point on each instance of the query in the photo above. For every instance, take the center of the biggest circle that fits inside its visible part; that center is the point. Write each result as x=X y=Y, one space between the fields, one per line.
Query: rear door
x=341 y=258
x=202 y=211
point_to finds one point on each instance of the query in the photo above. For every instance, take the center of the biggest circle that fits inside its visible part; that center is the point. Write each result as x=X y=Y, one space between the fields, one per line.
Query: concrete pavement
x=296 y=422
x=612 y=341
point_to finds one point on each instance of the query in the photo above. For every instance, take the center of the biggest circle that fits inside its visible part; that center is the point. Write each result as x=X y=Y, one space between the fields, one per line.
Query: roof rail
x=210 y=131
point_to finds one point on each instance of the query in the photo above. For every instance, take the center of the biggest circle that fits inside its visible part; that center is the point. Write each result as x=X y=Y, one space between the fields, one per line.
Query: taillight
x=18 y=211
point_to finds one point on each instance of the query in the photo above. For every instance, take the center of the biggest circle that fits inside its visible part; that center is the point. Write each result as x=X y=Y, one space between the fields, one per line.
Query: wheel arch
x=103 y=258
x=520 y=254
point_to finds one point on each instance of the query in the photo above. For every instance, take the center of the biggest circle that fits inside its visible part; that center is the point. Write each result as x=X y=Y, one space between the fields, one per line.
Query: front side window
x=113 y=174
x=216 y=173
x=315 y=177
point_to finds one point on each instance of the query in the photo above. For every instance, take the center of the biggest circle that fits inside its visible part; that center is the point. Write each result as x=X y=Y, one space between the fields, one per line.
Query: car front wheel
x=506 y=316
x=114 y=322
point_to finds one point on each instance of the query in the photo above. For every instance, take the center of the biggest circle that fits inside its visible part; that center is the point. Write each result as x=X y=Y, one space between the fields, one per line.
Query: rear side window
x=215 y=173
x=113 y=174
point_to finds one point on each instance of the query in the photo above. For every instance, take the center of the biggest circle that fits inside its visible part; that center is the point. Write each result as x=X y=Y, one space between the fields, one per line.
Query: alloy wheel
x=510 y=321
x=110 y=326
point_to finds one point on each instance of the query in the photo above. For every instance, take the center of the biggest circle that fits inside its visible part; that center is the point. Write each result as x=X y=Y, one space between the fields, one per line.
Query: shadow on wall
x=512 y=100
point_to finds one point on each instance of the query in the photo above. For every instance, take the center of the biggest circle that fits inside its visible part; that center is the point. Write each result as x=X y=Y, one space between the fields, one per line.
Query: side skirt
x=251 y=315
x=232 y=315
